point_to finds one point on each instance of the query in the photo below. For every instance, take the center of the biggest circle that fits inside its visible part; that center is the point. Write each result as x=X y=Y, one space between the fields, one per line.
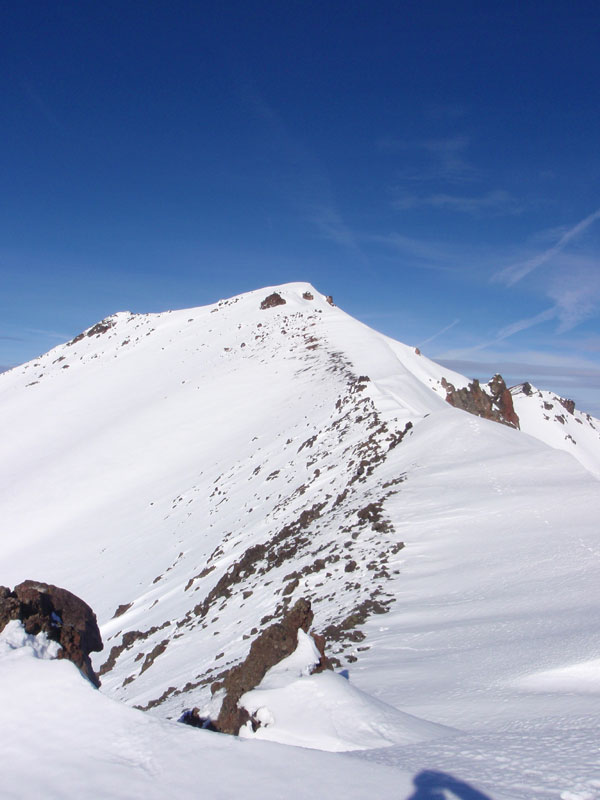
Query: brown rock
x=502 y=399
x=329 y=299
x=324 y=662
x=497 y=406
x=568 y=405
x=61 y=615
x=271 y=301
x=308 y=296
x=274 y=644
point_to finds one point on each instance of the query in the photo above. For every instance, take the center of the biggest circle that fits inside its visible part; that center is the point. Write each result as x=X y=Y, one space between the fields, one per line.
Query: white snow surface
x=14 y=637
x=325 y=710
x=63 y=739
x=197 y=469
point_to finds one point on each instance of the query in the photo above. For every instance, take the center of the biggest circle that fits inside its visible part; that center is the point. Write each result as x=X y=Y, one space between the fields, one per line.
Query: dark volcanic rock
x=502 y=401
x=271 y=301
x=61 y=615
x=568 y=405
x=99 y=328
x=273 y=645
x=324 y=662
x=497 y=405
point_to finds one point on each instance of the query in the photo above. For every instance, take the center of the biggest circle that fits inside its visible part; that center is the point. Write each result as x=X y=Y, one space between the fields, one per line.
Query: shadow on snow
x=430 y=785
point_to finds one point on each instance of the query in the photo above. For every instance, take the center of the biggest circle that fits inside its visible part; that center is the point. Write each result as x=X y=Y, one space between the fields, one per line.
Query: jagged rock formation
x=568 y=405
x=61 y=615
x=492 y=402
x=273 y=645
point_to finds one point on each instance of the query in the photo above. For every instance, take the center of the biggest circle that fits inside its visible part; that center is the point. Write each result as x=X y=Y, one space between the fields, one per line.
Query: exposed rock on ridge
x=271 y=301
x=58 y=613
x=273 y=645
x=492 y=402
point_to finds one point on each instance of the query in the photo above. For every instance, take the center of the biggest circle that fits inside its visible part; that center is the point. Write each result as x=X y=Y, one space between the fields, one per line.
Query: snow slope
x=556 y=421
x=63 y=739
x=197 y=471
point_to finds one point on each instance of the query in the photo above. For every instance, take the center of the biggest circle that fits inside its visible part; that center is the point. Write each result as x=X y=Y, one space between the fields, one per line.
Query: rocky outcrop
x=494 y=402
x=307 y=296
x=568 y=405
x=96 y=330
x=271 y=301
x=58 y=613
x=273 y=645
x=329 y=299
x=502 y=401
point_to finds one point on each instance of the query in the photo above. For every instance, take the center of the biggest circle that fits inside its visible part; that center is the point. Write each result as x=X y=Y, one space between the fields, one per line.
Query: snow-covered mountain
x=191 y=474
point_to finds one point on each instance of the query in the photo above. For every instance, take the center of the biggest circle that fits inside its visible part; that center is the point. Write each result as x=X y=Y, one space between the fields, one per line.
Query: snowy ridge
x=556 y=421
x=192 y=473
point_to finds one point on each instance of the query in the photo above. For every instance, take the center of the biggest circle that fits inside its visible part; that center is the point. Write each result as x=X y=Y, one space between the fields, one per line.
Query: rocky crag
x=493 y=401
x=61 y=615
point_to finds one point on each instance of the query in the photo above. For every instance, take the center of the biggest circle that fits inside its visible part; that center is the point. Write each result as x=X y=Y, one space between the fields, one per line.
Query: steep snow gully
x=193 y=474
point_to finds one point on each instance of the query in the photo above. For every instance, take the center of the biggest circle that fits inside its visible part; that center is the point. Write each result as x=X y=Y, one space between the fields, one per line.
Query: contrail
x=439 y=333
x=514 y=273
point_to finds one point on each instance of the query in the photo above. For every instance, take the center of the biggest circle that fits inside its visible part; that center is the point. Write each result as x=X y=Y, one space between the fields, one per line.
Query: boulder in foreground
x=60 y=614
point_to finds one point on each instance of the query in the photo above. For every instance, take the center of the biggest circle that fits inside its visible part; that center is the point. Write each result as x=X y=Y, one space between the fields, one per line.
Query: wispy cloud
x=591 y=344
x=439 y=333
x=443 y=164
x=523 y=324
x=331 y=226
x=441 y=159
x=515 y=272
x=507 y=331
x=561 y=372
x=49 y=334
x=421 y=253
x=451 y=156
x=575 y=288
x=304 y=181
x=493 y=202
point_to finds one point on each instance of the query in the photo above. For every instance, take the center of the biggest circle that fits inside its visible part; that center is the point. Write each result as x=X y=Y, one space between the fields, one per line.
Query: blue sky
x=435 y=166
